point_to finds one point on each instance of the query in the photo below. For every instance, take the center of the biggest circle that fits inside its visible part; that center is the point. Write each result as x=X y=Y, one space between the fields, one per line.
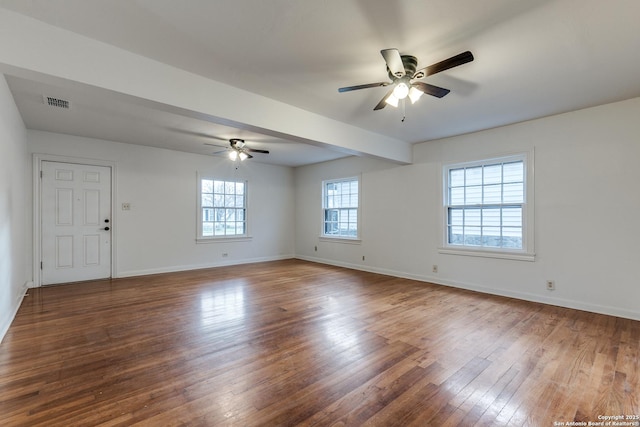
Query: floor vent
x=56 y=102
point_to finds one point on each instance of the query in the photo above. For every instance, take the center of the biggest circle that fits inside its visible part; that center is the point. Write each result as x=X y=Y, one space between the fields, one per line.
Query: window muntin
x=340 y=200
x=485 y=204
x=222 y=208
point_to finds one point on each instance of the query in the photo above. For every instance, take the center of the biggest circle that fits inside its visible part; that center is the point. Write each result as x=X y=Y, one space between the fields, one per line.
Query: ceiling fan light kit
x=238 y=149
x=401 y=90
x=402 y=72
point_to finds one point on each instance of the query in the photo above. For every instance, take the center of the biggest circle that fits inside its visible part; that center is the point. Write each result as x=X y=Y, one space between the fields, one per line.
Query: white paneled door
x=76 y=222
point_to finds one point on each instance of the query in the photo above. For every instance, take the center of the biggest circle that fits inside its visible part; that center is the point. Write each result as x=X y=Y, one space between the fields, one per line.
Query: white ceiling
x=533 y=58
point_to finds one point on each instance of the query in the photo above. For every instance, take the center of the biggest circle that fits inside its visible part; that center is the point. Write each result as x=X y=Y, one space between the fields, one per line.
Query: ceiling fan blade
x=394 y=62
x=454 y=61
x=253 y=150
x=436 y=91
x=366 y=86
x=219 y=152
x=198 y=134
x=214 y=145
x=382 y=102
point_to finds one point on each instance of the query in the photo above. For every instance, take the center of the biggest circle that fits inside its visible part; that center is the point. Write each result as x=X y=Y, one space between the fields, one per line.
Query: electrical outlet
x=315 y=248
x=551 y=285
x=126 y=206
x=363 y=257
x=224 y=255
x=434 y=269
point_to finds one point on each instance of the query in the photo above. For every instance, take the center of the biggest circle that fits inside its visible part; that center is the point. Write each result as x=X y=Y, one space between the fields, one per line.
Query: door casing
x=38 y=158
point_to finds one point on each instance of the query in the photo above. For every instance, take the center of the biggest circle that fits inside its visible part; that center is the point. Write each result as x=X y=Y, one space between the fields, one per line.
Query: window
x=486 y=205
x=222 y=210
x=340 y=199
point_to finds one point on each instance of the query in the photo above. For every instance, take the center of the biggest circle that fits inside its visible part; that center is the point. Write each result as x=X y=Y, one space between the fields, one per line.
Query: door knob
x=106 y=228
x=106 y=220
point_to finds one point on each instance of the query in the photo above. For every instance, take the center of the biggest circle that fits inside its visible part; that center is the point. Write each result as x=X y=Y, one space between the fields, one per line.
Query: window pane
x=491 y=217
x=491 y=237
x=492 y=194
x=474 y=176
x=341 y=208
x=331 y=215
x=512 y=237
x=330 y=228
x=513 y=172
x=330 y=202
x=219 y=229
x=239 y=227
x=456 y=177
x=456 y=196
x=472 y=236
x=207 y=229
x=473 y=195
x=512 y=217
x=484 y=204
x=207 y=186
x=207 y=200
x=492 y=174
x=456 y=236
x=219 y=214
x=513 y=193
x=456 y=217
x=472 y=217
x=220 y=201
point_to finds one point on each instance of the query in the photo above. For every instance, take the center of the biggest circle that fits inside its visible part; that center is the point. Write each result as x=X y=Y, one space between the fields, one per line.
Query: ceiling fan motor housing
x=410 y=64
x=236 y=143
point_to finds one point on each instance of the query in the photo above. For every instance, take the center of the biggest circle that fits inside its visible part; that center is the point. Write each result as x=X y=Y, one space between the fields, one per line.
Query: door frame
x=38 y=158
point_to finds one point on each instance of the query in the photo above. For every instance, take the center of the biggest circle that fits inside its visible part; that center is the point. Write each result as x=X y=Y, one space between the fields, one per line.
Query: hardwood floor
x=298 y=343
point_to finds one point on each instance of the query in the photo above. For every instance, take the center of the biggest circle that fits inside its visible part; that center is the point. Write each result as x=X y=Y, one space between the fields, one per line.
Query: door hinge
x=40 y=265
x=41 y=174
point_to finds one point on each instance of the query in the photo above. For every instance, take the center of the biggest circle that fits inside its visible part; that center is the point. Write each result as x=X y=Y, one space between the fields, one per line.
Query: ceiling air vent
x=56 y=102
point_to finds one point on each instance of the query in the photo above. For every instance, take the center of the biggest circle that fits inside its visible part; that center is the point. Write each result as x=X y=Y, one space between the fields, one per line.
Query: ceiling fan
x=402 y=72
x=239 y=149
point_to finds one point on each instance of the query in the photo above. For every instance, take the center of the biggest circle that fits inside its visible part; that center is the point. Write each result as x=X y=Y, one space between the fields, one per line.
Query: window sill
x=517 y=256
x=223 y=239
x=347 y=240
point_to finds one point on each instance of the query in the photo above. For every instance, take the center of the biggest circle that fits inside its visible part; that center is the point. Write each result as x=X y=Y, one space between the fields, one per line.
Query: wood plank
x=298 y=343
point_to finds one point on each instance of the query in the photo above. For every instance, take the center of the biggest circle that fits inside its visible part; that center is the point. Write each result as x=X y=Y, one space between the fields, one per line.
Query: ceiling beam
x=33 y=49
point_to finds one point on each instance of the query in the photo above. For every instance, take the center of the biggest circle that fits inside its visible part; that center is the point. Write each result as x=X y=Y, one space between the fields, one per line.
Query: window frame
x=200 y=238
x=527 y=252
x=324 y=208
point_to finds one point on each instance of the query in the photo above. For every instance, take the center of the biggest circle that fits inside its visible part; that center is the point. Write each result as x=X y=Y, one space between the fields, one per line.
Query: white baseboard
x=6 y=323
x=560 y=302
x=176 y=268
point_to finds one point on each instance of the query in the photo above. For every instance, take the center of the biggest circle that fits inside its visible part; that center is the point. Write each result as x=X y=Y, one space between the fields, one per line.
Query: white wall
x=587 y=203
x=158 y=233
x=14 y=192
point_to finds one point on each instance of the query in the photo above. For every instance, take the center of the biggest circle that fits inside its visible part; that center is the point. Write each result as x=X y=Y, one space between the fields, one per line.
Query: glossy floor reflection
x=297 y=343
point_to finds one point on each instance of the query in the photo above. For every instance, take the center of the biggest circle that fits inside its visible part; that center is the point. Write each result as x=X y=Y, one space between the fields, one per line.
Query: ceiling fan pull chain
x=404 y=111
